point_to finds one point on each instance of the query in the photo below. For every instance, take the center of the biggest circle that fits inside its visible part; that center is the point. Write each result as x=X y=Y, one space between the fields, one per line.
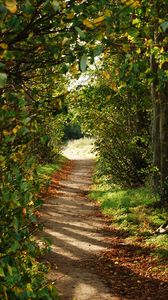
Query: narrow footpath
x=80 y=235
x=74 y=228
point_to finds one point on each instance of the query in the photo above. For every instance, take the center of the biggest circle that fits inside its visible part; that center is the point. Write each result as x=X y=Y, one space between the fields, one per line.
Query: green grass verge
x=45 y=171
x=131 y=211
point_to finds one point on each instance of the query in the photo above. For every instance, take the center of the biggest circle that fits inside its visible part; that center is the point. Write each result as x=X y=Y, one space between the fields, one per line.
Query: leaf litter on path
x=89 y=259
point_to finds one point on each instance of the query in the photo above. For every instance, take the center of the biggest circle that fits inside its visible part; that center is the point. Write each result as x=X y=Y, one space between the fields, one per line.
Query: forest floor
x=89 y=259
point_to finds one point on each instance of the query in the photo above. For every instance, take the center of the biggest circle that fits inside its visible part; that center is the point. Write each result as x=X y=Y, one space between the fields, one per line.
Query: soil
x=89 y=259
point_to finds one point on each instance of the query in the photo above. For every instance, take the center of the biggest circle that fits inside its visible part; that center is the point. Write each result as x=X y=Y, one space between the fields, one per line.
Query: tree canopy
x=43 y=43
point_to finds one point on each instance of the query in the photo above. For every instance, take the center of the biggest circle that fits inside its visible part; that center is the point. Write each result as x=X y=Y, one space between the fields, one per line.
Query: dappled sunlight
x=92 y=259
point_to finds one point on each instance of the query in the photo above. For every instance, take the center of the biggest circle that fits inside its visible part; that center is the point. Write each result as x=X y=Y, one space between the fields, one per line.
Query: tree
x=36 y=48
x=138 y=31
x=40 y=41
x=118 y=117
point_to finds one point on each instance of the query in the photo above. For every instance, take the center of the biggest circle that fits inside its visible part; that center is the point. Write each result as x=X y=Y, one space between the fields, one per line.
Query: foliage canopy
x=42 y=42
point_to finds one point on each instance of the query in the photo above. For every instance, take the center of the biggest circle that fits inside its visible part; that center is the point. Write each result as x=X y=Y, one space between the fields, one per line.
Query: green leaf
x=2 y=274
x=3 y=79
x=27 y=196
x=16 y=223
x=80 y=32
x=13 y=22
x=28 y=9
x=2 y=158
x=133 y=32
x=10 y=270
x=54 y=49
x=39 y=202
x=44 y=139
x=56 y=5
x=24 y=130
x=5 y=195
x=70 y=58
x=2 y=66
x=98 y=50
x=64 y=69
x=33 y=218
x=164 y=26
x=83 y=62
x=26 y=121
x=15 y=246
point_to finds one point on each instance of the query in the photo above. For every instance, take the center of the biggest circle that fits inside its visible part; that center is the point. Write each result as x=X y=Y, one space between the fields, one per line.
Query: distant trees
x=119 y=119
x=132 y=108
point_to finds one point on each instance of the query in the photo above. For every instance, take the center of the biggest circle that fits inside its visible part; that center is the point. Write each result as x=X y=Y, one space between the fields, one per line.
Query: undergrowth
x=44 y=171
x=133 y=212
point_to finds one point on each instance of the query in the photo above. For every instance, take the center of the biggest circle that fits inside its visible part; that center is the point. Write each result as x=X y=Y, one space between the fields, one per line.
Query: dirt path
x=91 y=260
x=75 y=230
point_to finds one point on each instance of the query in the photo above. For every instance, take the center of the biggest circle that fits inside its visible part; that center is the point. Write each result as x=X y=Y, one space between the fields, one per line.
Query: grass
x=131 y=211
x=45 y=171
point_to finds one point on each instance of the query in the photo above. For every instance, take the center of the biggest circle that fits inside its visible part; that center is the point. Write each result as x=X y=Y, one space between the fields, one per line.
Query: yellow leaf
x=87 y=23
x=29 y=287
x=114 y=87
x=5 y=294
x=136 y=4
x=70 y=15
x=126 y=47
x=10 y=270
x=74 y=68
x=15 y=129
x=117 y=72
x=2 y=158
x=14 y=157
x=18 y=290
x=65 y=39
x=106 y=75
x=132 y=3
x=30 y=34
x=4 y=46
x=106 y=52
x=98 y=20
x=130 y=38
x=108 y=97
x=108 y=12
x=5 y=132
x=2 y=274
x=11 y=5
x=138 y=51
x=64 y=4
x=5 y=107
x=135 y=21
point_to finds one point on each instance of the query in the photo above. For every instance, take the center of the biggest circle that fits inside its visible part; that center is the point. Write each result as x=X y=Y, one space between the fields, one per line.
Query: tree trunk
x=159 y=91
x=156 y=142
x=164 y=142
x=160 y=135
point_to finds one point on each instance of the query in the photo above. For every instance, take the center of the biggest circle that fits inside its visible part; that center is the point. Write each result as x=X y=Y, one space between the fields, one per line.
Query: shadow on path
x=77 y=262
